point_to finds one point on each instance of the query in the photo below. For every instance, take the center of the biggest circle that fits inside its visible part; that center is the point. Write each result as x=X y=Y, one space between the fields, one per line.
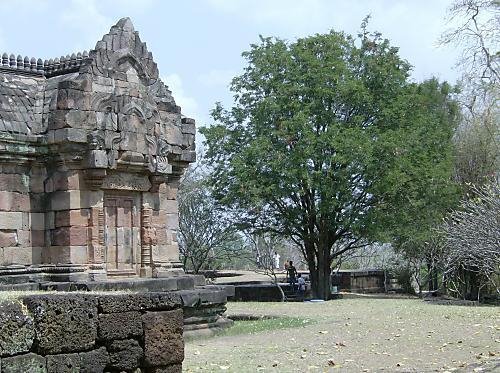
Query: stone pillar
x=165 y=254
x=21 y=218
x=96 y=245
x=148 y=239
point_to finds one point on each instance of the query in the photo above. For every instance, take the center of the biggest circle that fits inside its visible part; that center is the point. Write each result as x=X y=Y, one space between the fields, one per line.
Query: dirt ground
x=357 y=335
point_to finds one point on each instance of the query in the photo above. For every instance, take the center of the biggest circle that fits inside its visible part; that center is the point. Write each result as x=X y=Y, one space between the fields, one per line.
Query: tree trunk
x=319 y=262
x=322 y=277
x=432 y=276
x=435 y=279
x=430 y=282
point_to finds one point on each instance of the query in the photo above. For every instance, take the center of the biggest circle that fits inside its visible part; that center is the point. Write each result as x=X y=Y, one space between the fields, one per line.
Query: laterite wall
x=86 y=332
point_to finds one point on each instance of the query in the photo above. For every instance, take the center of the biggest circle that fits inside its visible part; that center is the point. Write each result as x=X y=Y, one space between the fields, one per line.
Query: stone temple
x=92 y=147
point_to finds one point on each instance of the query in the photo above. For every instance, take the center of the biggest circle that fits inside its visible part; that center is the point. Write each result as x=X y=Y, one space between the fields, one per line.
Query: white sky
x=198 y=43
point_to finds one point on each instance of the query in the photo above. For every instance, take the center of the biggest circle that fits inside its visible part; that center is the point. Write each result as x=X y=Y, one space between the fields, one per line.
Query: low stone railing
x=91 y=332
x=52 y=67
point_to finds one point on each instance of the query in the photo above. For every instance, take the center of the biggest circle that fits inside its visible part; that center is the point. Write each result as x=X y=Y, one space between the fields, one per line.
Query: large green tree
x=324 y=135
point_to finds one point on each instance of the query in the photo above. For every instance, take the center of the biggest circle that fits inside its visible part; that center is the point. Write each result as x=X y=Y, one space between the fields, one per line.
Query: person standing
x=301 y=284
x=292 y=274
x=276 y=260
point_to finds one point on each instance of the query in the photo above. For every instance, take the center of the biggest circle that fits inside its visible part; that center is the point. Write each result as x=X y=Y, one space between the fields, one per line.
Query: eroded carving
x=124 y=181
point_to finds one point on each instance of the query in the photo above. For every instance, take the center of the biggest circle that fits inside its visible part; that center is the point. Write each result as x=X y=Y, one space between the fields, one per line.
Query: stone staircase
x=293 y=296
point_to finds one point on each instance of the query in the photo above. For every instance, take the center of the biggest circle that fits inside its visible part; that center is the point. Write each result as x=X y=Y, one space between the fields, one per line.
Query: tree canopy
x=330 y=144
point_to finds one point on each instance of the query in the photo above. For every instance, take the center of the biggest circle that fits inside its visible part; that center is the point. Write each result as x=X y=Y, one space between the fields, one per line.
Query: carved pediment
x=123 y=52
x=126 y=114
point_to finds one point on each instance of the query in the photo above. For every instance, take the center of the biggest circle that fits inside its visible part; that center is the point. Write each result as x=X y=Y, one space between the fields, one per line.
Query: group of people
x=295 y=277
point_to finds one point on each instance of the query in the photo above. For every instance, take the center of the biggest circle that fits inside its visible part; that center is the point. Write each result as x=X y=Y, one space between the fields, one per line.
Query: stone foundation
x=87 y=332
x=204 y=305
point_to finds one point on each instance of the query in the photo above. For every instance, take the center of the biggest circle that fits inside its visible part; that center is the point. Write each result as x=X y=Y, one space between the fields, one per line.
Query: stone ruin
x=92 y=147
x=91 y=333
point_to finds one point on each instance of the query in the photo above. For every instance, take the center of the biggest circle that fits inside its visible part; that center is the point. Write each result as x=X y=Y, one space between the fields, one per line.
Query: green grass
x=265 y=324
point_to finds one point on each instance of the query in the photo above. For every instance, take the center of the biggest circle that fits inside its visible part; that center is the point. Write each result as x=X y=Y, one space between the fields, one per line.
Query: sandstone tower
x=92 y=147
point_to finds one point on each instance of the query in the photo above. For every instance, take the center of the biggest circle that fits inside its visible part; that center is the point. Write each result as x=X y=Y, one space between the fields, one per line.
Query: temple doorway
x=121 y=234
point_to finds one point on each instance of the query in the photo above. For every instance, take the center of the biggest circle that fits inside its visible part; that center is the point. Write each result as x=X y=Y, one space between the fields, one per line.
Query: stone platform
x=204 y=305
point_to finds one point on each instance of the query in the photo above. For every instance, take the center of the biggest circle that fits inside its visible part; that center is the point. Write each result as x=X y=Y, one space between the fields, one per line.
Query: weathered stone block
x=188 y=156
x=8 y=237
x=112 y=303
x=72 y=99
x=119 y=325
x=37 y=220
x=75 y=199
x=157 y=202
x=188 y=126
x=62 y=181
x=163 y=343
x=20 y=255
x=212 y=296
x=70 y=134
x=170 y=206
x=65 y=323
x=14 y=183
x=174 y=135
x=50 y=220
x=162 y=237
x=168 y=191
x=128 y=141
x=57 y=120
x=78 y=119
x=125 y=355
x=163 y=253
x=38 y=202
x=158 y=218
x=36 y=183
x=65 y=255
x=142 y=145
x=199 y=280
x=175 y=368
x=190 y=298
x=67 y=218
x=131 y=123
x=14 y=201
x=97 y=159
x=64 y=363
x=16 y=329
x=185 y=282
x=37 y=238
x=94 y=361
x=172 y=221
x=69 y=236
x=28 y=363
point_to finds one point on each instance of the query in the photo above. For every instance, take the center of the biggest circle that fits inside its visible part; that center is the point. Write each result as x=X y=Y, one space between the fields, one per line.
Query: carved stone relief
x=123 y=181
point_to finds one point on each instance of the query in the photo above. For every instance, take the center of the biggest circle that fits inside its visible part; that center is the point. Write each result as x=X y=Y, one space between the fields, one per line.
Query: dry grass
x=356 y=335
